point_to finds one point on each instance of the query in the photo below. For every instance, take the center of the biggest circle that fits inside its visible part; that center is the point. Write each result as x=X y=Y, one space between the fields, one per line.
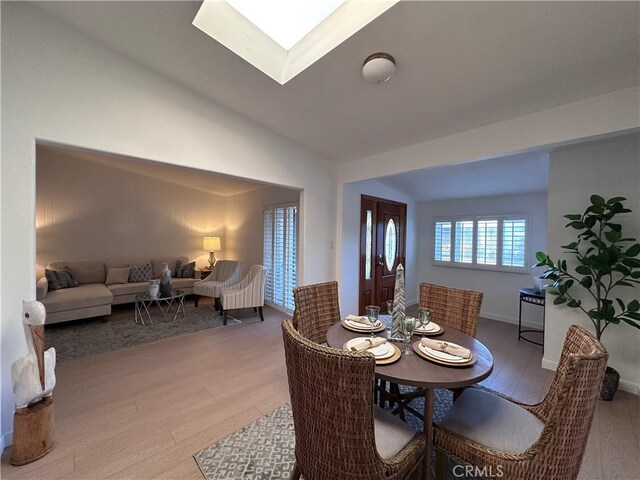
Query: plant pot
x=609 y=384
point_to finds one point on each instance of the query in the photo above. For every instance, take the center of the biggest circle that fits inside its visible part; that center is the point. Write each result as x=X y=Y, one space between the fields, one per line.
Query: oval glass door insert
x=390 y=244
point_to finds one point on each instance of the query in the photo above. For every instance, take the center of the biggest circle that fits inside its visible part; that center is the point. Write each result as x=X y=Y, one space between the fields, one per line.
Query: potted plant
x=605 y=261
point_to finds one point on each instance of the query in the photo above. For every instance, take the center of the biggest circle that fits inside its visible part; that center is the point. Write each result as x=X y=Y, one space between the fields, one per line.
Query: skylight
x=283 y=37
x=286 y=21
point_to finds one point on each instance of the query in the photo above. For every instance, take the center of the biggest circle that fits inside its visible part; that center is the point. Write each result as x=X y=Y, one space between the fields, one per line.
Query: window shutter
x=487 y=242
x=464 y=241
x=267 y=255
x=290 y=259
x=442 y=244
x=280 y=254
x=514 y=242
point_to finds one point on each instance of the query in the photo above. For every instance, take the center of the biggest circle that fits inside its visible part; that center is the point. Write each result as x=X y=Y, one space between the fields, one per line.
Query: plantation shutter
x=513 y=242
x=267 y=257
x=464 y=241
x=487 y=242
x=442 y=244
x=280 y=254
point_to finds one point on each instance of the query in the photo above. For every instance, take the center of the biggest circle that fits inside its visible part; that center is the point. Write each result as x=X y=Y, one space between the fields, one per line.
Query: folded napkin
x=368 y=343
x=359 y=319
x=451 y=349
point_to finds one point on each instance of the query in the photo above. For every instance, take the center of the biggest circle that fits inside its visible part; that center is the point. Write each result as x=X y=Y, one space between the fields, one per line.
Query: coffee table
x=171 y=304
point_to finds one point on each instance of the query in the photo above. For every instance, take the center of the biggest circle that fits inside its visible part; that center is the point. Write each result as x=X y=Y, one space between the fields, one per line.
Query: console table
x=529 y=295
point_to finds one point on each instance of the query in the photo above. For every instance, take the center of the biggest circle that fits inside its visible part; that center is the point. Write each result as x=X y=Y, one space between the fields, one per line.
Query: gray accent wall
x=89 y=211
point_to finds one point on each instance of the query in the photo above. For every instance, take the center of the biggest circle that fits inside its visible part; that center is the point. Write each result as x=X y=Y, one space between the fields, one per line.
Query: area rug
x=85 y=338
x=264 y=449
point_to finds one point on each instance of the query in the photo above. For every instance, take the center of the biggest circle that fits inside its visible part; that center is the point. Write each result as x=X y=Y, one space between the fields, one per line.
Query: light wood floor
x=143 y=412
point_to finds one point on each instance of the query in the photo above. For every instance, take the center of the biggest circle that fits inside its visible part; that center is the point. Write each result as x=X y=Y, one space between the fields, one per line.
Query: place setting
x=365 y=323
x=443 y=352
x=385 y=352
x=426 y=327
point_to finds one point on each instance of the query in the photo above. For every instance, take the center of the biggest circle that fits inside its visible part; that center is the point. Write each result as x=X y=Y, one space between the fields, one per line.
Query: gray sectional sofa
x=92 y=298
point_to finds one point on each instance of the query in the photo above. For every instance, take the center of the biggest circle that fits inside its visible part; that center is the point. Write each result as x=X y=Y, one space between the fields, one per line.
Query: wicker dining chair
x=452 y=307
x=546 y=440
x=339 y=432
x=316 y=310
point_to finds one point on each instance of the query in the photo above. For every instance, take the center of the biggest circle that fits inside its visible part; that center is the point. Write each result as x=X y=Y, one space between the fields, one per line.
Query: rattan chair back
x=332 y=403
x=316 y=310
x=452 y=307
x=567 y=412
x=570 y=403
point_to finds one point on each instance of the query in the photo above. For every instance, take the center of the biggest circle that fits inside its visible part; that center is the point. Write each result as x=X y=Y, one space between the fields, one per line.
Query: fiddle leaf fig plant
x=605 y=261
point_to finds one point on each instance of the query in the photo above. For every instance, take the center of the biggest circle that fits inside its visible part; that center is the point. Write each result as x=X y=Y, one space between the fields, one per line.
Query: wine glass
x=424 y=318
x=408 y=327
x=372 y=315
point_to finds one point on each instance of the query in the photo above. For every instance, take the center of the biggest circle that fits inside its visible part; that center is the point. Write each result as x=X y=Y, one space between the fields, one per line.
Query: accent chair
x=249 y=293
x=225 y=274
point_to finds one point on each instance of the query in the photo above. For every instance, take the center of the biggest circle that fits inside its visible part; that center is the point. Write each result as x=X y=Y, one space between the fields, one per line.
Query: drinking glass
x=424 y=318
x=408 y=327
x=372 y=315
x=390 y=307
x=390 y=313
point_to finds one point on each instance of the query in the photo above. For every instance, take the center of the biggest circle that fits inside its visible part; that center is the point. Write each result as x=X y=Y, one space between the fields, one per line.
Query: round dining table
x=416 y=371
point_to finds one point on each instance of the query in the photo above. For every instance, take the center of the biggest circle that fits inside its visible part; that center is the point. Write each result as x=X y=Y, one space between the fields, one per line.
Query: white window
x=487 y=242
x=280 y=254
x=463 y=241
x=514 y=242
x=497 y=242
x=443 y=241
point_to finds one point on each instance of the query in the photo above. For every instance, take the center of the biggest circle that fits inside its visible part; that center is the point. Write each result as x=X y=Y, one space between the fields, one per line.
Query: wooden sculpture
x=33 y=380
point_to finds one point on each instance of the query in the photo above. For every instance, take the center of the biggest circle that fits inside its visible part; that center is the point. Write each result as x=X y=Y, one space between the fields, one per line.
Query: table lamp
x=210 y=244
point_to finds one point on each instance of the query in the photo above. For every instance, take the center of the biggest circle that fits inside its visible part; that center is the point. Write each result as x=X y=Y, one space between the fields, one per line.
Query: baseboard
x=624 y=385
x=514 y=321
x=411 y=303
x=6 y=440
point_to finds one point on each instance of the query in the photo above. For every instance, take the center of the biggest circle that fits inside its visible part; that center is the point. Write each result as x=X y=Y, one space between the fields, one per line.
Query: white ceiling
x=460 y=65
x=215 y=183
x=513 y=174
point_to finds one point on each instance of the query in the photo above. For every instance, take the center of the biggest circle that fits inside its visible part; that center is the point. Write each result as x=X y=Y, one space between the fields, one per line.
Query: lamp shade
x=211 y=243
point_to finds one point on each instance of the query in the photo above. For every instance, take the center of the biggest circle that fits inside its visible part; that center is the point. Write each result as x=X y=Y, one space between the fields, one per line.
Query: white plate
x=442 y=355
x=431 y=327
x=385 y=350
x=363 y=326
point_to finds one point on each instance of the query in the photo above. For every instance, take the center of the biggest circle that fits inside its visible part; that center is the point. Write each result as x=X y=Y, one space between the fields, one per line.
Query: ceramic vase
x=154 y=288
x=165 y=281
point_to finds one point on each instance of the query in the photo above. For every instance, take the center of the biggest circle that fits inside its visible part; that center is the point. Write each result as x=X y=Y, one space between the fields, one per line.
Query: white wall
x=61 y=86
x=607 y=168
x=349 y=248
x=244 y=222
x=500 y=300
x=89 y=211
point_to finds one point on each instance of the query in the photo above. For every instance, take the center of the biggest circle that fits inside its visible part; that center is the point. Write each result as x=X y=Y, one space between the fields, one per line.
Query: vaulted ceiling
x=460 y=65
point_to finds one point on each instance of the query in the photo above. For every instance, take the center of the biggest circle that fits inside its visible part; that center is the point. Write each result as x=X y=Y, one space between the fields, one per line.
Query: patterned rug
x=89 y=337
x=264 y=449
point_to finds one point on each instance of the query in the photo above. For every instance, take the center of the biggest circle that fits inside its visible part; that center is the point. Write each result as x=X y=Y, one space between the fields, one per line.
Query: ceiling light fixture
x=378 y=68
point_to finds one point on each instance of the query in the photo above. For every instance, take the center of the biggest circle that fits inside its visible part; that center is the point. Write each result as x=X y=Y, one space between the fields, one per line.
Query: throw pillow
x=140 y=273
x=58 y=279
x=117 y=275
x=185 y=270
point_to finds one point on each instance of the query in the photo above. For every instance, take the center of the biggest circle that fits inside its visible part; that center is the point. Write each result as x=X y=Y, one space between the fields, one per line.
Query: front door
x=383 y=225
